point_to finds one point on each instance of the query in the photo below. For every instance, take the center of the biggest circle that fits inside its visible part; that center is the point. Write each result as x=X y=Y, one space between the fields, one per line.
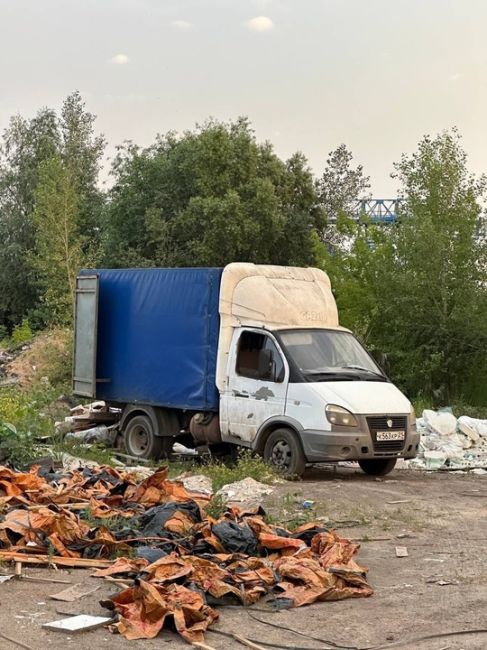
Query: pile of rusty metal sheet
x=175 y=562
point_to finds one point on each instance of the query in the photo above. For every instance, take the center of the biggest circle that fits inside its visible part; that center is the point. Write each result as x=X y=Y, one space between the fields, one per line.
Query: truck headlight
x=340 y=416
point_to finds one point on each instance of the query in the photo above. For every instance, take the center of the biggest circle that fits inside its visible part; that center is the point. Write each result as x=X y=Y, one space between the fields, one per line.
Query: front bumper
x=353 y=443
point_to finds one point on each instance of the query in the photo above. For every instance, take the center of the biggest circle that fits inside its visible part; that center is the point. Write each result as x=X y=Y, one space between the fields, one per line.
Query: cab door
x=256 y=386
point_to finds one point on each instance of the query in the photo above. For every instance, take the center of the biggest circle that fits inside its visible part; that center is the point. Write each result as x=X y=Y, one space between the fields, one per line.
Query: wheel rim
x=281 y=455
x=138 y=440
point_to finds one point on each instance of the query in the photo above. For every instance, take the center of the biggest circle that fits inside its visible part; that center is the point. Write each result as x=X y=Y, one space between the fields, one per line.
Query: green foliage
x=247 y=465
x=21 y=334
x=58 y=244
x=216 y=507
x=209 y=197
x=418 y=291
x=97 y=453
x=25 y=409
x=111 y=523
x=17 y=446
x=26 y=147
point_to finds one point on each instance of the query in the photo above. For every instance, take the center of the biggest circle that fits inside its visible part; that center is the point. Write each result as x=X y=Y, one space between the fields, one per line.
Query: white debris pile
x=450 y=443
x=248 y=491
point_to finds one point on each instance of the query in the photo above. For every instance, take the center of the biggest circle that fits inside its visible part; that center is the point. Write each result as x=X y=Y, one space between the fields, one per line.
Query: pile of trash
x=450 y=443
x=93 y=423
x=176 y=561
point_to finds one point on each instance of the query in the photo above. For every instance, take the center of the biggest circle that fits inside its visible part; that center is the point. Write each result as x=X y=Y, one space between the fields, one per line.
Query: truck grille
x=379 y=423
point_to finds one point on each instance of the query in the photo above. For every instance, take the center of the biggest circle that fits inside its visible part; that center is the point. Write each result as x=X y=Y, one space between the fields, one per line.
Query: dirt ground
x=442 y=521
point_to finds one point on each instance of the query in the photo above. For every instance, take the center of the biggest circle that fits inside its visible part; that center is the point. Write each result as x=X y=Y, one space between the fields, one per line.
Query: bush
x=18 y=447
x=22 y=334
x=25 y=410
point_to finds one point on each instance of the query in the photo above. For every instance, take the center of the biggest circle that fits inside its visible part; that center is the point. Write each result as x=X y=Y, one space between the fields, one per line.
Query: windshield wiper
x=372 y=372
x=367 y=370
x=338 y=373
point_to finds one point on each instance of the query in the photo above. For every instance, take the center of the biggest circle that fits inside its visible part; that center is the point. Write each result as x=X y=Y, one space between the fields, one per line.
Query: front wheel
x=377 y=467
x=283 y=450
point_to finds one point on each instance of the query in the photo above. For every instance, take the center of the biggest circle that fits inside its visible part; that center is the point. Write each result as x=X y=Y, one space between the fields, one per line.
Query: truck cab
x=314 y=395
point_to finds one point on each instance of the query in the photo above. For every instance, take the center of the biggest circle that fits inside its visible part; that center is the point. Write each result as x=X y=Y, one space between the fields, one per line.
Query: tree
x=439 y=281
x=418 y=290
x=81 y=151
x=26 y=146
x=58 y=246
x=212 y=196
x=339 y=188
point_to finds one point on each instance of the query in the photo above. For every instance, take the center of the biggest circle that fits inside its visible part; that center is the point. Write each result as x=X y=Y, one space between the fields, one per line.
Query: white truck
x=249 y=355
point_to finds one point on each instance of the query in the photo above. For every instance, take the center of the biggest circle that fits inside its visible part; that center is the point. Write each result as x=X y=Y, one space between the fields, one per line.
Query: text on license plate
x=390 y=435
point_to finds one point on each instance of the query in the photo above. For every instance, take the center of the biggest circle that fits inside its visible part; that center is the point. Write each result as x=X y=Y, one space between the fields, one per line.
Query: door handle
x=237 y=393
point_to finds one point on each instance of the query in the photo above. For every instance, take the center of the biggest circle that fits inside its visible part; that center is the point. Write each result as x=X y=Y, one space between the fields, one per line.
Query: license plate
x=390 y=435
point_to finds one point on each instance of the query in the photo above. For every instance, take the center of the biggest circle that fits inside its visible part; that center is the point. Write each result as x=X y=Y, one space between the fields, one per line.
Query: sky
x=310 y=74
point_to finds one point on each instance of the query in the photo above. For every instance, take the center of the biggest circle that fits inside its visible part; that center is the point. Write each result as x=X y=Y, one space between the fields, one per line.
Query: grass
x=288 y=511
x=95 y=453
x=247 y=465
x=458 y=408
x=216 y=507
x=112 y=523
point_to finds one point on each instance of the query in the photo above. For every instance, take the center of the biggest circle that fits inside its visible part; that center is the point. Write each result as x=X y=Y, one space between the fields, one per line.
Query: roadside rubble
x=177 y=562
x=247 y=491
x=450 y=443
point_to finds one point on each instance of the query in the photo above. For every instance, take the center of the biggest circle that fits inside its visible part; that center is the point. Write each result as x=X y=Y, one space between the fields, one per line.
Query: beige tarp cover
x=275 y=297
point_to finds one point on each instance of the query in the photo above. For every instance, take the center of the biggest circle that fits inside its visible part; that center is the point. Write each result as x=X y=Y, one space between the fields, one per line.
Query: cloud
x=260 y=24
x=182 y=25
x=120 y=59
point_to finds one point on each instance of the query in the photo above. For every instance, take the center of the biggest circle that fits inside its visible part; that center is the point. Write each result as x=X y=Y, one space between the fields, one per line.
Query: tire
x=283 y=451
x=377 y=467
x=141 y=440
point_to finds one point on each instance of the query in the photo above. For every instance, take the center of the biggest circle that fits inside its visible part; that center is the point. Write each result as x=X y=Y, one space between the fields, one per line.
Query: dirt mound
x=47 y=355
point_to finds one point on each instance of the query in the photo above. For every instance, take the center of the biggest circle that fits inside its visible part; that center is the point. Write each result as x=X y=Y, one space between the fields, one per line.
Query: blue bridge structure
x=378 y=211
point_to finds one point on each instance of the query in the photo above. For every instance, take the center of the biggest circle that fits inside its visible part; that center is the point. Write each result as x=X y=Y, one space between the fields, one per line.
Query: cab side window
x=258 y=358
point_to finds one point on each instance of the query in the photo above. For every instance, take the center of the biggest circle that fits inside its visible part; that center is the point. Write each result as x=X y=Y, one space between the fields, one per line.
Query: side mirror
x=382 y=359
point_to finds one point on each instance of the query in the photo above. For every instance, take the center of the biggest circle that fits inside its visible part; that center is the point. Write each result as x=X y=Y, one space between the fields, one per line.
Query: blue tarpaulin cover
x=158 y=336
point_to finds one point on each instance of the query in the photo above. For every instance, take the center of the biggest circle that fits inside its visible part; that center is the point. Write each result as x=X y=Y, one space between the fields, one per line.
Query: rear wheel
x=141 y=440
x=283 y=450
x=377 y=466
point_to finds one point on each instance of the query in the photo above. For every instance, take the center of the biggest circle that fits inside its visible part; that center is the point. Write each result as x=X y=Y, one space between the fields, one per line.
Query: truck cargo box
x=148 y=336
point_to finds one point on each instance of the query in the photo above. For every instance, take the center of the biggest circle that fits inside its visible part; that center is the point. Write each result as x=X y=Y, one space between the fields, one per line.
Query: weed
x=111 y=523
x=216 y=507
x=21 y=334
x=176 y=468
x=25 y=409
x=96 y=453
x=300 y=518
x=247 y=465
x=18 y=447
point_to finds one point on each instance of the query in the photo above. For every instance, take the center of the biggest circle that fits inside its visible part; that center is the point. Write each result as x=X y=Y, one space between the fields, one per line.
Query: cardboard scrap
x=80 y=623
x=72 y=593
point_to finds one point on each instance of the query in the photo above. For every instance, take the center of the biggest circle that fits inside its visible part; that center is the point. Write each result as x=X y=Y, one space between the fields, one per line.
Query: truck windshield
x=330 y=355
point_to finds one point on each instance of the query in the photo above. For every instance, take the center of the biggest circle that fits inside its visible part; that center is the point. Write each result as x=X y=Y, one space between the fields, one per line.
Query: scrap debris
x=175 y=561
x=450 y=443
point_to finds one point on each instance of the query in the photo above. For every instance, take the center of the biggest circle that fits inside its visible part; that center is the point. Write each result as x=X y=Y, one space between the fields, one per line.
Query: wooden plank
x=16 y=642
x=75 y=562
